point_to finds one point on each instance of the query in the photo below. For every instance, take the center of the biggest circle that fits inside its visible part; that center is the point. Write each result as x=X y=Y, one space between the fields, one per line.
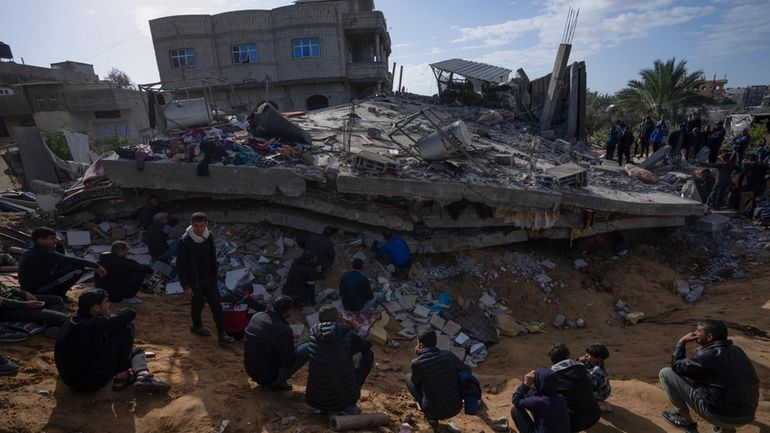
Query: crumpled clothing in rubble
x=473 y=321
x=360 y=323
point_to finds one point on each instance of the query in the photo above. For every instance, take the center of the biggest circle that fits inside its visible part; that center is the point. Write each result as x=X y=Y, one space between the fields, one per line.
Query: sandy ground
x=209 y=384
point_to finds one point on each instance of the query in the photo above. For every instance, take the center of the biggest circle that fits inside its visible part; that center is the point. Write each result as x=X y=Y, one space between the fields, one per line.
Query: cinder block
x=451 y=328
x=713 y=223
x=437 y=322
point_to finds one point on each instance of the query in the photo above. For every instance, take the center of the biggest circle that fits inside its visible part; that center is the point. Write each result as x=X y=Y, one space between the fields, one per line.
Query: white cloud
x=743 y=29
x=601 y=24
x=91 y=12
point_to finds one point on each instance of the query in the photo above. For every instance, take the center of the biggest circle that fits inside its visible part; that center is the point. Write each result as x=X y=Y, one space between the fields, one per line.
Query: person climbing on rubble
x=124 y=276
x=300 y=282
x=198 y=272
x=95 y=346
x=537 y=406
x=644 y=131
x=576 y=386
x=625 y=141
x=159 y=238
x=434 y=381
x=269 y=355
x=724 y=182
x=717 y=381
x=593 y=360
x=335 y=373
x=396 y=252
x=322 y=246
x=356 y=292
x=45 y=270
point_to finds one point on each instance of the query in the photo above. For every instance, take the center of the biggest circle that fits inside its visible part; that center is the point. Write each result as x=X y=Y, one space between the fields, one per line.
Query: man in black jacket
x=334 y=378
x=322 y=246
x=718 y=381
x=576 y=387
x=124 y=276
x=157 y=238
x=95 y=346
x=269 y=355
x=198 y=272
x=45 y=270
x=356 y=290
x=714 y=141
x=433 y=381
x=300 y=282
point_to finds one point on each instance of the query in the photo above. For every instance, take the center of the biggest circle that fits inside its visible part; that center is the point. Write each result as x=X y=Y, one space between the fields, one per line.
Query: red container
x=235 y=317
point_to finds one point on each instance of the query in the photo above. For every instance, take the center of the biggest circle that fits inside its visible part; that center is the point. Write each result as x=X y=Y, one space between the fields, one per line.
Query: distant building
x=714 y=89
x=68 y=95
x=309 y=55
x=754 y=96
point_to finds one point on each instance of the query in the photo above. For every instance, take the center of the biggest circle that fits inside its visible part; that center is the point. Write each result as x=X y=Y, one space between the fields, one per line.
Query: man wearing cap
x=157 y=238
x=45 y=270
x=334 y=378
x=95 y=346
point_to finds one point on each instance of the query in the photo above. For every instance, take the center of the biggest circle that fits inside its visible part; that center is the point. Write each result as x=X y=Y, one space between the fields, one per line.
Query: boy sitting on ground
x=594 y=359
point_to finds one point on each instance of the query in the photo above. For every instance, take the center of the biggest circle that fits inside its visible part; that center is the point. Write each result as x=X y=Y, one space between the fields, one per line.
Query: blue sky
x=616 y=38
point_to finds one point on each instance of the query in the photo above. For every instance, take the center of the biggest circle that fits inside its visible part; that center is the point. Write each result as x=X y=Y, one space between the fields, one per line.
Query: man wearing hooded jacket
x=197 y=267
x=537 y=405
x=576 y=386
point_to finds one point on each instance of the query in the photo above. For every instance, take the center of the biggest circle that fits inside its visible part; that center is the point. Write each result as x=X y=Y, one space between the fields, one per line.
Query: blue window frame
x=245 y=53
x=182 y=58
x=307 y=47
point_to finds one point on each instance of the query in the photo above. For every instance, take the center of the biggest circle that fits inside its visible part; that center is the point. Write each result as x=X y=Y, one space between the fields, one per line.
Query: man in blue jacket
x=538 y=396
x=395 y=252
x=718 y=381
x=45 y=270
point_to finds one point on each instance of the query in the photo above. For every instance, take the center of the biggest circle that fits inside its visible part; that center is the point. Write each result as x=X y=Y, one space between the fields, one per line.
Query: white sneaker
x=133 y=300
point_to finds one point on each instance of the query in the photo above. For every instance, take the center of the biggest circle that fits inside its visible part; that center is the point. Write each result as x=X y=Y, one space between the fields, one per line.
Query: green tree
x=665 y=89
x=58 y=144
x=120 y=78
x=599 y=114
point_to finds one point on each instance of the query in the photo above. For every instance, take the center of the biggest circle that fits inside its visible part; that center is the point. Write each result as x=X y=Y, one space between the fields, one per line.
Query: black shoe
x=279 y=387
x=676 y=420
x=224 y=338
x=9 y=368
x=200 y=330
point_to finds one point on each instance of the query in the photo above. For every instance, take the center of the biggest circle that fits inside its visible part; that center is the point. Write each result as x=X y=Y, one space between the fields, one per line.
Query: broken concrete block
x=393 y=307
x=459 y=352
x=580 y=323
x=620 y=305
x=477 y=348
x=78 y=237
x=543 y=278
x=580 y=264
x=451 y=328
x=487 y=300
x=407 y=301
x=548 y=264
x=437 y=321
x=645 y=176
x=712 y=223
x=105 y=227
x=681 y=287
x=311 y=319
x=490 y=118
x=408 y=333
x=558 y=321
x=377 y=332
x=461 y=339
x=443 y=342
x=421 y=312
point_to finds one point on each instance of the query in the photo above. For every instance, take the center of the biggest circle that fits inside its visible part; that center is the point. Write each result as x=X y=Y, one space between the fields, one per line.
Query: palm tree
x=666 y=89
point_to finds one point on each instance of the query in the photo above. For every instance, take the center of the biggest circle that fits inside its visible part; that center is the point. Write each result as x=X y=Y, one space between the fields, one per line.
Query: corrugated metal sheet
x=468 y=69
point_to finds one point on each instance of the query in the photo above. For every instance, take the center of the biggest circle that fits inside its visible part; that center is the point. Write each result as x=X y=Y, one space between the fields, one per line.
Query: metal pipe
x=400 y=77
x=393 y=77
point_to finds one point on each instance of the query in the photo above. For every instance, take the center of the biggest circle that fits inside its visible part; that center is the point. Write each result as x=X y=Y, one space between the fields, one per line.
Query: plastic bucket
x=235 y=317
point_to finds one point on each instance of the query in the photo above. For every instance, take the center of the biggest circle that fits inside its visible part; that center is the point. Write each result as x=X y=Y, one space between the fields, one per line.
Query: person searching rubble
x=395 y=252
x=95 y=346
x=45 y=270
x=160 y=238
x=300 y=282
x=356 y=290
x=124 y=276
x=322 y=246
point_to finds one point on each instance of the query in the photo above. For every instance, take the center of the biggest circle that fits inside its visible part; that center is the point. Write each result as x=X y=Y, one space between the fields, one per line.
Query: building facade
x=308 y=55
x=68 y=95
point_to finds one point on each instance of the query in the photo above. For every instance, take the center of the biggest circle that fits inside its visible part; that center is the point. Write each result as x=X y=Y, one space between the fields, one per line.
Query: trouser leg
x=363 y=365
x=211 y=293
x=41 y=315
x=677 y=388
x=522 y=420
x=138 y=360
x=285 y=373
x=196 y=306
x=62 y=279
x=416 y=392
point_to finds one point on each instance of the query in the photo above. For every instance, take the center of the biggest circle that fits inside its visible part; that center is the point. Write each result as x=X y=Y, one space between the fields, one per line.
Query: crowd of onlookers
x=736 y=177
x=95 y=346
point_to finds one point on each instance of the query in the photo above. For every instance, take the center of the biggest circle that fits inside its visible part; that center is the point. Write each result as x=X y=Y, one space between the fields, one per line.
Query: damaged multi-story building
x=305 y=56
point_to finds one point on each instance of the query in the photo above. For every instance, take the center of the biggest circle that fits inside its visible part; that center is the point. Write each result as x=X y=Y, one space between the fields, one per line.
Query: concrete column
x=555 y=86
x=377 y=47
x=573 y=102
x=582 y=90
